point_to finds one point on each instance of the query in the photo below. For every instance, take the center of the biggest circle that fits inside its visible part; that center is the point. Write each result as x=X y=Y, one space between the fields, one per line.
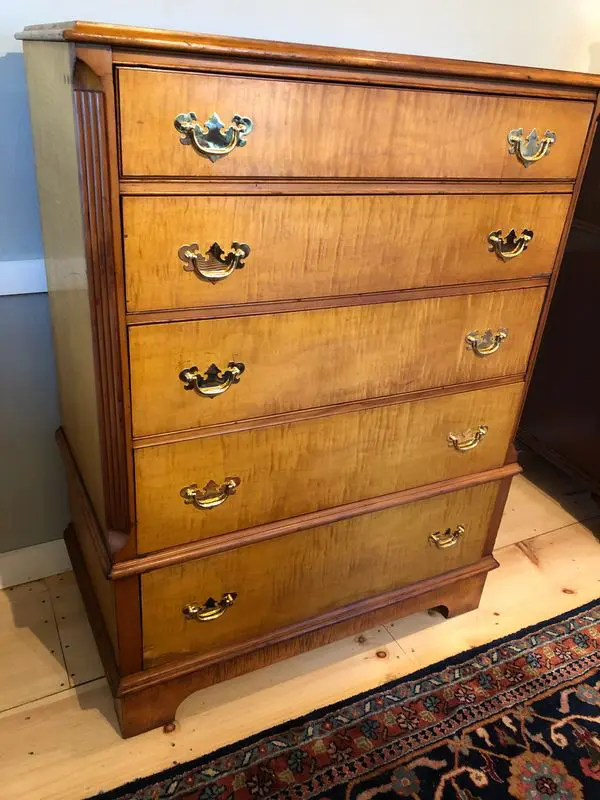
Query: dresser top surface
x=224 y=46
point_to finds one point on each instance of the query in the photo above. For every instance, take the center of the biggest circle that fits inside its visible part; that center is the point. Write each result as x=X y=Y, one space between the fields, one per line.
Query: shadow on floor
x=572 y=495
x=97 y=696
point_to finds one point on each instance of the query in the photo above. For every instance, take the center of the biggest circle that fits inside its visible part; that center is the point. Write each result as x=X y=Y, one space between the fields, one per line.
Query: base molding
x=370 y=611
x=150 y=698
x=154 y=704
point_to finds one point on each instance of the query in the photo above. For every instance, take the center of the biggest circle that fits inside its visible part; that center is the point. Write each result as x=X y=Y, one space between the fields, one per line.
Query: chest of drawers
x=297 y=294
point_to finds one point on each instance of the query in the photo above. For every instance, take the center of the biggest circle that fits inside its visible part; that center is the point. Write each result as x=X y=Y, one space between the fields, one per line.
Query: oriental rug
x=517 y=718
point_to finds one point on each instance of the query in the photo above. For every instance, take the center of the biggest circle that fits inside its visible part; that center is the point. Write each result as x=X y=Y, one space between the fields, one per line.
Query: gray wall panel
x=33 y=505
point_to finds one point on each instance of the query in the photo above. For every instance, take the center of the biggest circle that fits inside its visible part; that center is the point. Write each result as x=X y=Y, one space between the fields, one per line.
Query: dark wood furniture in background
x=561 y=418
x=293 y=341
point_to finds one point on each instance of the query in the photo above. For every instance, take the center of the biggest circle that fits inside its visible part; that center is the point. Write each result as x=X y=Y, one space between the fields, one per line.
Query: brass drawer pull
x=487 y=342
x=511 y=245
x=467 y=440
x=214 y=266
x=211 y=496
x=212 y=609
x=449 y=538
x=213 y=382
x=212 y=140
x=532 y=148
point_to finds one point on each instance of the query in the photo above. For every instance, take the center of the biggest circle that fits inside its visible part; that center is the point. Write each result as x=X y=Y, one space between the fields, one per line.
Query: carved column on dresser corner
x=95 y=103
x=99 y=189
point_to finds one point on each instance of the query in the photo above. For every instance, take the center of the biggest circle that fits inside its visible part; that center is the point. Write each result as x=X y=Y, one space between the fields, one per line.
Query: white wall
x=546 y=33
x=562 y=34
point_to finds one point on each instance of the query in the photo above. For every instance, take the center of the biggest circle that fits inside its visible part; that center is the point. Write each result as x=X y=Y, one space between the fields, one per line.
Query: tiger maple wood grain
x=316 y=130
x=304 y=246
x=307 y=359
x=299 y=467
x=311 y=572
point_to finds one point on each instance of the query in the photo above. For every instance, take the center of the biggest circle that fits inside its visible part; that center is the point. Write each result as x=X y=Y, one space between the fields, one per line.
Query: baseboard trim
x=33 y=563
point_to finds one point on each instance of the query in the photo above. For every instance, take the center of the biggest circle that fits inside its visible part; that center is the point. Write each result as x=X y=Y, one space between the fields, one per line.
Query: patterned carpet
x=518 y=718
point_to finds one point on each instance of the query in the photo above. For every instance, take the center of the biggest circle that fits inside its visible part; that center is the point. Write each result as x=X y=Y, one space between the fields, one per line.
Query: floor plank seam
x=394 y=642
x=17 y=706
x=87 y=683
x=405 y=653
x=60 y=641
x=35 y=700
x=545 y=533
x=581 y=521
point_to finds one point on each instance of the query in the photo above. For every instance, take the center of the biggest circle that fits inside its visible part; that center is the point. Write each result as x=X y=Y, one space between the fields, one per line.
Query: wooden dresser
x=297 y=294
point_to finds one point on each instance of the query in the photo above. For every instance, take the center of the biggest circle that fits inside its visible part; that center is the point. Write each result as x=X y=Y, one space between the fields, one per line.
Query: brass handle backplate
x=211 y=139
x=213 y=382
x=484 y=343
x=448 y=538
x=214 y=265
x=211 y=496
x=511 y=245
x=468 y=440
x=532 y=148
x=212 y=609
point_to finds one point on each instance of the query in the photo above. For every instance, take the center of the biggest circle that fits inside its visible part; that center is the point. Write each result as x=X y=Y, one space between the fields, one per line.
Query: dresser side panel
x=49 y=70
x=92 y=573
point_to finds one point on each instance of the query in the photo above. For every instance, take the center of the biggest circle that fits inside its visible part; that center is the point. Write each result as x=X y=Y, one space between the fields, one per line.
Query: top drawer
x=322 y=130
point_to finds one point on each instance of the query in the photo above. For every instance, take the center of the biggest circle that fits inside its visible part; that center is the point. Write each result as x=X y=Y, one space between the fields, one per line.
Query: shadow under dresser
x=297 y=294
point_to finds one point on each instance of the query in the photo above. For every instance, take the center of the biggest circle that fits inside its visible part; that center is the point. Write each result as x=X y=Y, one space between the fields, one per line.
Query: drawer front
x=307 y=359
x=286 y=580
x=328 y=245
x=292 y=469
x=316 y=130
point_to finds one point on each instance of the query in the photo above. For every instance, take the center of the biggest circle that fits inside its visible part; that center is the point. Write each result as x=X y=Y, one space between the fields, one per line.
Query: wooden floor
x=58 y=736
